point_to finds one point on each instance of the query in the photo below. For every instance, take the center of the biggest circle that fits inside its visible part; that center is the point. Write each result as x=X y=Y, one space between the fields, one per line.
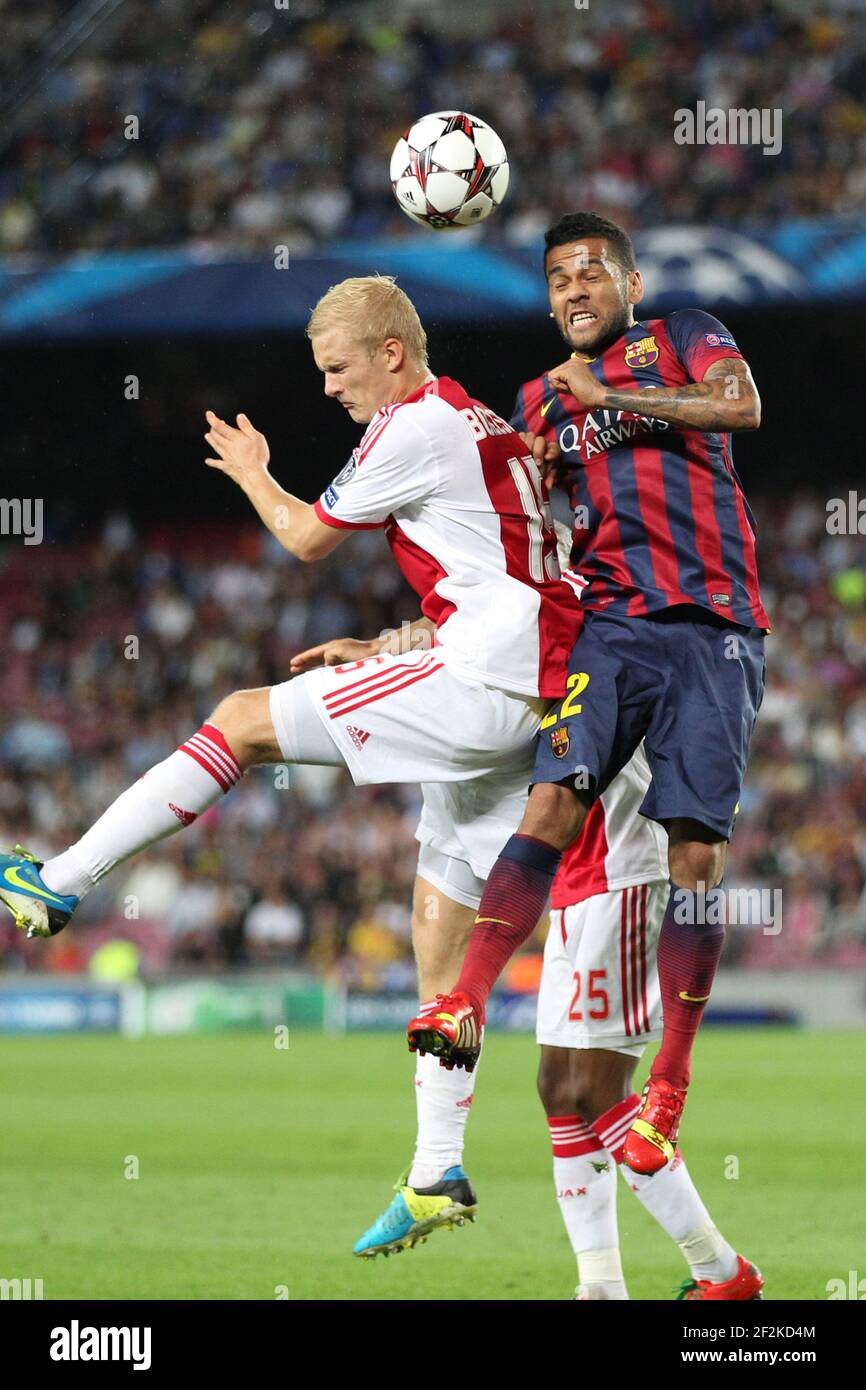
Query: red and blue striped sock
x=513 y=901
x=688 y=953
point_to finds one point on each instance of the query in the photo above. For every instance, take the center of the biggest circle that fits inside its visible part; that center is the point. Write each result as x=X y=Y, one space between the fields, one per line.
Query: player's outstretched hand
x=243 y=452
x=546 y=455
x=575 y=377
x=333 y=654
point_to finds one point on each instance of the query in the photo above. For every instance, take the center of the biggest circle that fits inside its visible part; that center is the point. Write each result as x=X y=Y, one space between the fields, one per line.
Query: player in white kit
x=466 y=516
x=598 y=1006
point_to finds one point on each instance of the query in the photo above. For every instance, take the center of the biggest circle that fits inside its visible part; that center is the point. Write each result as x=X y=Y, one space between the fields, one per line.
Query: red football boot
x=450 y=1028
x=652 y=1140
x=747 y=1283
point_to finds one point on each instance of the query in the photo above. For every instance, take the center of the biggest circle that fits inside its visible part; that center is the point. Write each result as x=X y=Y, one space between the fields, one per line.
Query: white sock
x=672 y=1198
x=601 y=1275
x=169 y=796
x=585 y=1179
x=443 y=1100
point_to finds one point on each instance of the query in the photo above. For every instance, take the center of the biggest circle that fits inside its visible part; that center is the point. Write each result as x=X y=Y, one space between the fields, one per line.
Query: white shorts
x=599 y=982
x=453 y=877
x=410 y=719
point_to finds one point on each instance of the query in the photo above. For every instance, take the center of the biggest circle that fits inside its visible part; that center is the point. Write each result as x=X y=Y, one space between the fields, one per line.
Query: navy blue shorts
x=690 y=689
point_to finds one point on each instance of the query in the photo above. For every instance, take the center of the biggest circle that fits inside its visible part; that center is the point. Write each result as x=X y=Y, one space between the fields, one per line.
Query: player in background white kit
x=598 y=1006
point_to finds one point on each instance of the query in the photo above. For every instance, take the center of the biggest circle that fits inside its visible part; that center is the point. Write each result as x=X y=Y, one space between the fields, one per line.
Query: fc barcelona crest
x=643 y=353
x=559 y=742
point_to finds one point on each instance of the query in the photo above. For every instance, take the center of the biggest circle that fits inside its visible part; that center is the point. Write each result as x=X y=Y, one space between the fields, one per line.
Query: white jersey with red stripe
x=468 y=521
x=618 y=846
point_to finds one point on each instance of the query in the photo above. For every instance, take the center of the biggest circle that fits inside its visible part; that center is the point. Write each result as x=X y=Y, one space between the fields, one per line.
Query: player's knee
x=244 y=720
x=696 y=865
x=554 y=1083
x=600 y=1079
x=554 y=814
x=595 y=1095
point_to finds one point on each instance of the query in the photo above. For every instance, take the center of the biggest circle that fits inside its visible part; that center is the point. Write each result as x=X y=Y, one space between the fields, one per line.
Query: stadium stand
x=234 y=148
x=318 y=872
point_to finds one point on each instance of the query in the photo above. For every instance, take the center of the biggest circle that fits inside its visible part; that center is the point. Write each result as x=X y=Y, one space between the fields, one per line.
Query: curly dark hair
x=575 y=225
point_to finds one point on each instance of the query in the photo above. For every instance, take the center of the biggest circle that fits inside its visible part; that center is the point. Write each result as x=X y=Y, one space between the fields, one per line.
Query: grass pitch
x=258 y=1168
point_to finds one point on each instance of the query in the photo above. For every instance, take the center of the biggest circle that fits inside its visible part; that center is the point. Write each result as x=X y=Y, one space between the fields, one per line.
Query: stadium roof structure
x=193 y=290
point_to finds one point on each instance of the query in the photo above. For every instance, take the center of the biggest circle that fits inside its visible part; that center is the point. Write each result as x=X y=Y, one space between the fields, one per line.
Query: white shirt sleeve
x=393 y=467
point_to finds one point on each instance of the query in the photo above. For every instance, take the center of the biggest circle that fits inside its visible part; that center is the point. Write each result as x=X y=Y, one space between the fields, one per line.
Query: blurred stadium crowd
x=117 y=648
x=261 y=124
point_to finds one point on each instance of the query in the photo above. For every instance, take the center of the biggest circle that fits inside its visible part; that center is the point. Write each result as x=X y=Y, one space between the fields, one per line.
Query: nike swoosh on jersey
x=694 y=999
x=11 y=876
x=547 y=405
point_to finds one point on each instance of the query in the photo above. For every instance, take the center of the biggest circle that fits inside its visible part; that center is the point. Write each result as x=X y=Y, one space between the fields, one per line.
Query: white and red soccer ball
x=449 y=169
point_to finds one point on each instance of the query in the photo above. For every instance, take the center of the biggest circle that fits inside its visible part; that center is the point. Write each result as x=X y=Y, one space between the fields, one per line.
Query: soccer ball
x=448 y=170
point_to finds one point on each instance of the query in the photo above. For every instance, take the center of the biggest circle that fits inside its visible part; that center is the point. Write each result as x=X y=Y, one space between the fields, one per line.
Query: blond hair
x=372 y=308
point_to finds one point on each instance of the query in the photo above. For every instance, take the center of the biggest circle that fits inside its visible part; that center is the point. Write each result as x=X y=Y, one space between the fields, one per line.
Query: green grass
x=260 y=1168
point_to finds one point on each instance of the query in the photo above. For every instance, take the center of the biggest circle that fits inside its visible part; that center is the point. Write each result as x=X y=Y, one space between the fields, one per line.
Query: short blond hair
x=372 y=308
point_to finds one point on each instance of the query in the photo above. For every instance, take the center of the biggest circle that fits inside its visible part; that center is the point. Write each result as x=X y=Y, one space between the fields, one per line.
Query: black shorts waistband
x=694 y=613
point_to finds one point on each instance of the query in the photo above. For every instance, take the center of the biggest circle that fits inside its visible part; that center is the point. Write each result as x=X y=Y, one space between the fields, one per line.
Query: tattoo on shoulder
x=728 y=366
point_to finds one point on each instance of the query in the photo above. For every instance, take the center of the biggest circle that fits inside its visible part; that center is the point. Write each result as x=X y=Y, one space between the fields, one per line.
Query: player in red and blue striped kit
x=672 y=648
x=661 y=518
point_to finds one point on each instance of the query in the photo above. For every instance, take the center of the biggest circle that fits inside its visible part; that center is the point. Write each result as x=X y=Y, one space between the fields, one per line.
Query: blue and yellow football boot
x=36 y=909
x=416 y=1211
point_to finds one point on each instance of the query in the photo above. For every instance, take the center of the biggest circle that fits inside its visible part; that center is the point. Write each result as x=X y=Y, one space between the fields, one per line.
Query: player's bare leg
x=244 y=719
x=690 y=946
x=170 y=796
x=590 y=1079
x=435 y=1191
x=441 y=929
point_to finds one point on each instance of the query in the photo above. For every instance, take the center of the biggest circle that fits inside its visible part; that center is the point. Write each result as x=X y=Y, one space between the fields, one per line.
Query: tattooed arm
x=726 y=399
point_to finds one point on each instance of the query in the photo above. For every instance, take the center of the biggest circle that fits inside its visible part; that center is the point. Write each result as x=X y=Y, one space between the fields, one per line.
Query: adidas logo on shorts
x=358 y=736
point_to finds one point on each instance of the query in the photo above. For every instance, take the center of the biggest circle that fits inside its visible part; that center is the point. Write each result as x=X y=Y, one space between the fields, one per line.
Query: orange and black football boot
x=449 y=1027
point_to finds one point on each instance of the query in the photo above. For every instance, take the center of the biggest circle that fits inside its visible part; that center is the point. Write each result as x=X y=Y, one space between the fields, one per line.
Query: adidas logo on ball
x=449 y=170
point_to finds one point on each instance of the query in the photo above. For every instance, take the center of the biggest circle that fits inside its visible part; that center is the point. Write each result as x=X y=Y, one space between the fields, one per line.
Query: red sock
x=513 y=901
x=689 y=950
x=571 y=1136
x=615 y=1123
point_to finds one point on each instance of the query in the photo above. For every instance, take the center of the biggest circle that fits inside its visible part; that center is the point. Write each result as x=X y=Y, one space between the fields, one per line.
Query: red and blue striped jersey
x=660 y=514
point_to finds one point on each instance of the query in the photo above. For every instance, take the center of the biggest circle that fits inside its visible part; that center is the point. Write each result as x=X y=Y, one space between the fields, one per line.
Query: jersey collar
x=424 y=389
